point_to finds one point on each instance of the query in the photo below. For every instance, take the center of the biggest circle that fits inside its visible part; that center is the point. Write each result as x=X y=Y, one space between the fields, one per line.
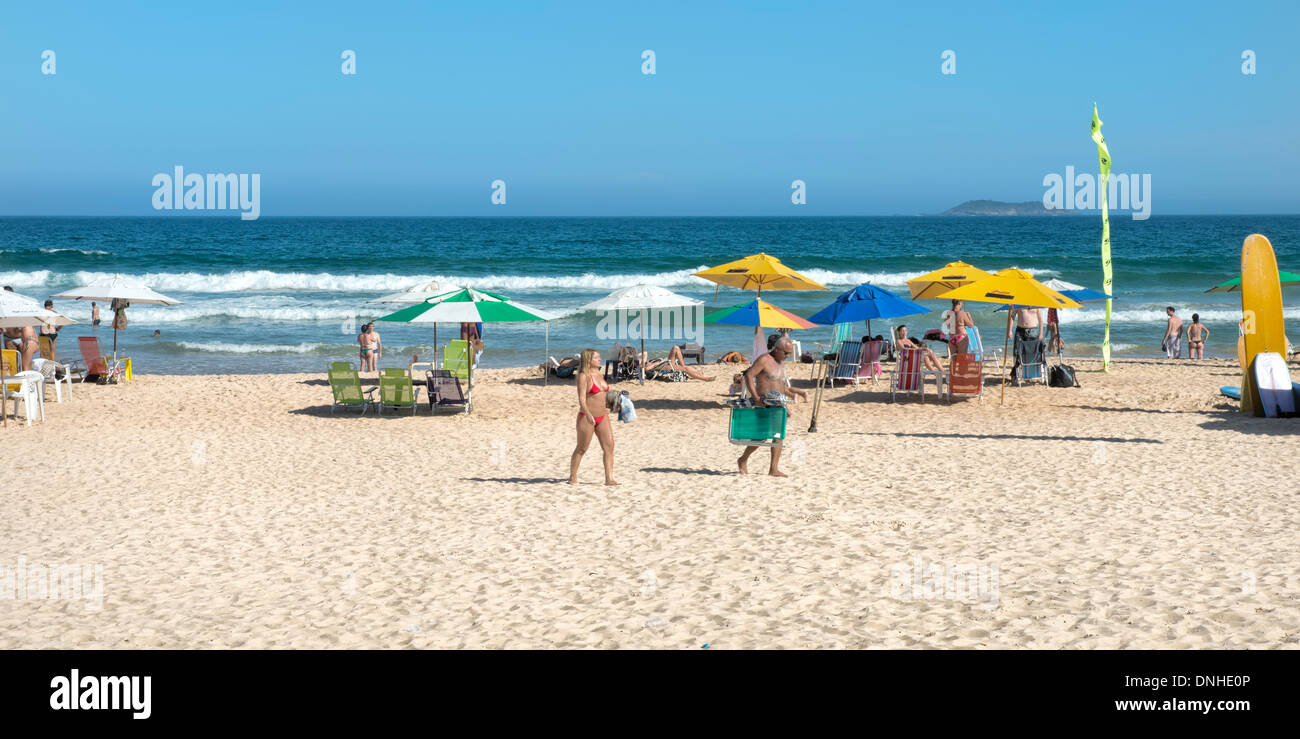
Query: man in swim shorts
x=767 y=385
x=1173 y=340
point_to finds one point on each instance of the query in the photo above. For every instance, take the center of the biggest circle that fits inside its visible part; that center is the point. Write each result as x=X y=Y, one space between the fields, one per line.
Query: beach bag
x=613 y=399
x=626 y=411
x=1062 y=375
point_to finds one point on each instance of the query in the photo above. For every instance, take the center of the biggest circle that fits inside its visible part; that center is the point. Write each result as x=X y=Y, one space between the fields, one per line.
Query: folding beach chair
x=965 y=377
x=445 y=391
x=396 y=390
x=457 y=359
x=345 y=384
x=757 y=426
x=975 y=347
x=905 y=376
x=830 y=351
x=870 y=364
x=99 y=364
x=1032 y=363
x=847 y=360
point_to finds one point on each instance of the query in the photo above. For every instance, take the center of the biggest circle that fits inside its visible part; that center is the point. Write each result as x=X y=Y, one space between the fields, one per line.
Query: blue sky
x=550 y=97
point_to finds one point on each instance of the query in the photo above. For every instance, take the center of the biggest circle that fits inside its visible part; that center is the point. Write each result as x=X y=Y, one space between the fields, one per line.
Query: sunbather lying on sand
x=676 y=361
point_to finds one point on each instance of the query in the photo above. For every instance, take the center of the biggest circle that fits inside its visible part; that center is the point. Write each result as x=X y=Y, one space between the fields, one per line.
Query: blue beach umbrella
x=864 y=303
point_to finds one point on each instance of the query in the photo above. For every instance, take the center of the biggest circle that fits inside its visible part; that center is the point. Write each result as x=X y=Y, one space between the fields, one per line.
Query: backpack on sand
x=1062 y=375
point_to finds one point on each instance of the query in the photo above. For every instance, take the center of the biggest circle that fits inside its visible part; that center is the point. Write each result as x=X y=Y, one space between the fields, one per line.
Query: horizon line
x=233 y=215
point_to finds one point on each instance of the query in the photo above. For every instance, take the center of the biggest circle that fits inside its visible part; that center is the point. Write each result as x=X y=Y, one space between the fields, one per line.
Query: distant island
x=999 y=208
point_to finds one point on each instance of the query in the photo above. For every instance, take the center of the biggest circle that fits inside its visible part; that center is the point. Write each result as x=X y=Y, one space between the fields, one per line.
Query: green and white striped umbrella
x=468 y=305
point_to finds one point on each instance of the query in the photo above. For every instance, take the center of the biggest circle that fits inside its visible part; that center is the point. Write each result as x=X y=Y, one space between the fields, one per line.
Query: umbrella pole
x=546 y=370
x=1005 y=342
x=4 y=413
x=640 y=363
x=817 y=399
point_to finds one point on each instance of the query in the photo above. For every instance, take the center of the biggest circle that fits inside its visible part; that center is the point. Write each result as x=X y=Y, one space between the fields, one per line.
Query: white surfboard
x=1274 y=381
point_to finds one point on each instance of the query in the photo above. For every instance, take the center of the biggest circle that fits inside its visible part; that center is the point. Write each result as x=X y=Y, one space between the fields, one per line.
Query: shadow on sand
x=1232 y=419
x=1025 y=437
x=691 y=471
x=519 y=480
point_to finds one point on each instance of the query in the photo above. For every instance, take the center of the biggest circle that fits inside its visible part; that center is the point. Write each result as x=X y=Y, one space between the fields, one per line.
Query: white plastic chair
x=30 y=390
x=57 y=381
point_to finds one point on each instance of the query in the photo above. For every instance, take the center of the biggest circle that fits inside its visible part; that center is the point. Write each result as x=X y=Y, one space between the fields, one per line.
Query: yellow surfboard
x=1261 y=312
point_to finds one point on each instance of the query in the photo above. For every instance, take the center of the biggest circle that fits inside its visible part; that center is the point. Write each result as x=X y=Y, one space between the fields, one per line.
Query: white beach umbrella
x=641 y=298
x=117 y=288
x=418 y=293
x=17 y=310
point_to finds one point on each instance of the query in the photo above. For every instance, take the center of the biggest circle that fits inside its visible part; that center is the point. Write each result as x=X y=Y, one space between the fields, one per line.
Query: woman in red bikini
x=593 y=418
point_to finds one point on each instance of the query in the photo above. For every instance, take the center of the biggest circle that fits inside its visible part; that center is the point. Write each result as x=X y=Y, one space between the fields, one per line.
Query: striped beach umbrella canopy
x=759 y=313
x=468 y=305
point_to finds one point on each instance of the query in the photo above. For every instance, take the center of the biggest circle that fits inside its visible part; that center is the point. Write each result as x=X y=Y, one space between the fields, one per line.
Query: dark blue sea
x=286 y=294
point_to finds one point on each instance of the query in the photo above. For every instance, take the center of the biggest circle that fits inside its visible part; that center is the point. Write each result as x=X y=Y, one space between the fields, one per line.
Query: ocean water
x=286 y=294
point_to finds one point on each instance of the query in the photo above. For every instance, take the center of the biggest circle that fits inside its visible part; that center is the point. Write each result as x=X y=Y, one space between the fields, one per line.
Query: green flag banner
x=1103 y=154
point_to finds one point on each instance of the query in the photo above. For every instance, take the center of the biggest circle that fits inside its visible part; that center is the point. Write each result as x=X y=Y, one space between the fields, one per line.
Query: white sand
x=1138 y=511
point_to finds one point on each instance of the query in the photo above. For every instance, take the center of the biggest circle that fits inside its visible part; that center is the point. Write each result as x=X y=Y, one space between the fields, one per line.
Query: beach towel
x=1028 y=354
x=771 y=398
x=1173 y=346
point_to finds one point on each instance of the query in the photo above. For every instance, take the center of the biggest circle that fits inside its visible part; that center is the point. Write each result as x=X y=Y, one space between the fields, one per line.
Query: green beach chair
x=456 y=359
x=396 y=390
x=757 y=426
x=345 y=383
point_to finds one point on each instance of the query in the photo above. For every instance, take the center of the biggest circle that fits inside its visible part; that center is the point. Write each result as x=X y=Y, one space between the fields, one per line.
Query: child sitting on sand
x=737 y=384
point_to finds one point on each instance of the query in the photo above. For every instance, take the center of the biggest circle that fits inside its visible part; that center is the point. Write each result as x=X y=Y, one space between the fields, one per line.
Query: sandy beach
x=1138 y=511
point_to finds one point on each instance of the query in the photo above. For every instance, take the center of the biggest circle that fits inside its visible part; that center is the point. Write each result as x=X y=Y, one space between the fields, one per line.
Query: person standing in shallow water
x=371 y=347
x=593 y=417
x=1197 y=333
x=1172 y=343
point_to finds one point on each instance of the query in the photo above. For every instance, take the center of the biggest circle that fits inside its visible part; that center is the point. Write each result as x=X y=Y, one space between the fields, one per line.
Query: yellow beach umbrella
x=759 y=272
x=1014 y=286
x=948 y=277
